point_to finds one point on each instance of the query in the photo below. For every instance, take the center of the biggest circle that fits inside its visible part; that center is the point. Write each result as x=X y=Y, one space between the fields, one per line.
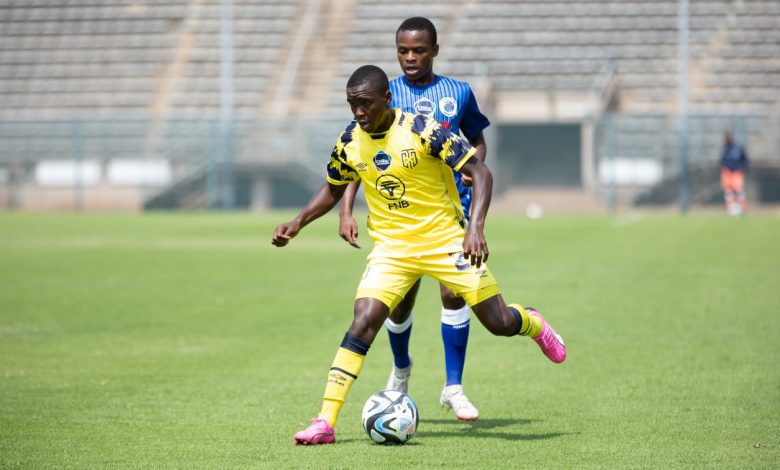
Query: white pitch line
x=628 y=219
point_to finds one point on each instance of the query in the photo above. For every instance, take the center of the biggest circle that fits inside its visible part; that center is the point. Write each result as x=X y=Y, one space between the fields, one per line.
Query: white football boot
x=453 y=398
x=399 y=378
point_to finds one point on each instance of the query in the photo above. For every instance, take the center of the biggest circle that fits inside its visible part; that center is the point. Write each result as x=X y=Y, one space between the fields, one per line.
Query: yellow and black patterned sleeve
x=441 y=143
x=339 y=171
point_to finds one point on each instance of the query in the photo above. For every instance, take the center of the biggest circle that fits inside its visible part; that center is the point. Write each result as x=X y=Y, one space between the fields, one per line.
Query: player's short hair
x=370 y=75
x=418 y=23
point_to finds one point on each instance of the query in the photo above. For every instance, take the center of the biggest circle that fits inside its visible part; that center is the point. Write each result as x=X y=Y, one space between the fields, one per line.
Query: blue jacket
x=734 y=158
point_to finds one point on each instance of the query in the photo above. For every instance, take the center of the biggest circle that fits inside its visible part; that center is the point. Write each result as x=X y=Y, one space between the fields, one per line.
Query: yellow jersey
x=414 y=207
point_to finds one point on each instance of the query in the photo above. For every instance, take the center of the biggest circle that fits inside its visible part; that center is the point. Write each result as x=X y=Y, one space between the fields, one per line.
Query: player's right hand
x=475 y=248
x=348 y=230
x=284 y=233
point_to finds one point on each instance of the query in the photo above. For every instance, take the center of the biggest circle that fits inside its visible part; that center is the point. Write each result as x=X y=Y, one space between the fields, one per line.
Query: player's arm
x=348 y=228
x=480 y=145
x=473 y=126
x=475 y=247
x=320 y=204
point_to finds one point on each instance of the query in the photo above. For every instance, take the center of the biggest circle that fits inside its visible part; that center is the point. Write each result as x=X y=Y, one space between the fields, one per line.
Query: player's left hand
x=475 y=247
x=284 y=233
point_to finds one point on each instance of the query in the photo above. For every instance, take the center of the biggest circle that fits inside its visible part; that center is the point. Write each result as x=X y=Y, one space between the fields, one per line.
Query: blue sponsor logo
x=461 y=264
x=424 y=106
x=382 y=160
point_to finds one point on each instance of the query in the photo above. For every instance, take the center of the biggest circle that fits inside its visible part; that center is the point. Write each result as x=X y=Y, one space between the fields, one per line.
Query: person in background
x=733 y=165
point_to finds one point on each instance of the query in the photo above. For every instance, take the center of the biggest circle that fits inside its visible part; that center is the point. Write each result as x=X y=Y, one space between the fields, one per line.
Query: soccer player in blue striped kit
x=453 y=105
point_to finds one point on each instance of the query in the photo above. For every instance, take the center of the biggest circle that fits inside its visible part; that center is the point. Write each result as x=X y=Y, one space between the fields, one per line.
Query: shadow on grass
x=479 y=429
x=482 y=429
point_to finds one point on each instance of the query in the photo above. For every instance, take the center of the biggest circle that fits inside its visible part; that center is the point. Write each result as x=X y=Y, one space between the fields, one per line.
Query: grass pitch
x=188 y=341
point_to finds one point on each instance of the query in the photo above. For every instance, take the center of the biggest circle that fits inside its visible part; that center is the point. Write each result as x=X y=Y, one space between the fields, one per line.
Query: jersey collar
x=421 y=87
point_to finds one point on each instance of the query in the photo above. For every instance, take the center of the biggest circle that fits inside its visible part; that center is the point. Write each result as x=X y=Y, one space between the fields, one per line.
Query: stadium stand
x=88 y=81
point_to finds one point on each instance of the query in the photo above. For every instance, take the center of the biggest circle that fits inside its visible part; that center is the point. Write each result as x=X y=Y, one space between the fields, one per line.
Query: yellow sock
x=531 y=325
x=343 y=373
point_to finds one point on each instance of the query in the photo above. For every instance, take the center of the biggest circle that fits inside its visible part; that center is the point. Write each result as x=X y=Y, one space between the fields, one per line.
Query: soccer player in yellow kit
x=405 y=163
x=452 y=103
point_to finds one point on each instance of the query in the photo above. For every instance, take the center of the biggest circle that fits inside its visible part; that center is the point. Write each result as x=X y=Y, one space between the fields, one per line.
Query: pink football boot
x=549 y=340
x=318 y=432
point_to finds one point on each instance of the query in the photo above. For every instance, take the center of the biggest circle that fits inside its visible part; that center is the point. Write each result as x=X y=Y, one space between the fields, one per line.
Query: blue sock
x=455 y=338
x=399 y=341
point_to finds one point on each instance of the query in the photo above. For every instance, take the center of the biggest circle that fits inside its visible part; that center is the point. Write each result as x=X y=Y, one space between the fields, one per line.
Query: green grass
x=188 y=341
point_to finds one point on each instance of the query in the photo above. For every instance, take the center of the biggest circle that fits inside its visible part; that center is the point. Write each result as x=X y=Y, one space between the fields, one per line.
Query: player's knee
x=400 y=318
x=450 y=300
x=404 y=308
x=368 y=318
x=363 y=329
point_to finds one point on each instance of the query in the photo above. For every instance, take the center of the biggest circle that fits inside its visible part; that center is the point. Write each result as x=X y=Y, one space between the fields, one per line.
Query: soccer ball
x=390 y=417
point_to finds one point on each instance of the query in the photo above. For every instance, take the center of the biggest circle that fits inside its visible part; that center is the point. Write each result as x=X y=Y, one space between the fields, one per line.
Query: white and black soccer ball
x=390 y=417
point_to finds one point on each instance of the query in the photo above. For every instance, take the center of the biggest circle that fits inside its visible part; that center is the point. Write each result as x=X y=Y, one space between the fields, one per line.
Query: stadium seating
x=114 y=58
x=141 y=79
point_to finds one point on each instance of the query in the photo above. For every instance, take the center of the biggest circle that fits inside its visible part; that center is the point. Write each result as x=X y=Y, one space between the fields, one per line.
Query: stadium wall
x=120 y=90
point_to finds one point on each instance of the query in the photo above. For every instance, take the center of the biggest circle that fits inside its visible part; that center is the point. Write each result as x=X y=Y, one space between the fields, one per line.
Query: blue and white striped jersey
x=452 y=103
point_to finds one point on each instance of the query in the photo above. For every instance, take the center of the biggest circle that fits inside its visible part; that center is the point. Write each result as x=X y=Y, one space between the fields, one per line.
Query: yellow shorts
x=388 y=279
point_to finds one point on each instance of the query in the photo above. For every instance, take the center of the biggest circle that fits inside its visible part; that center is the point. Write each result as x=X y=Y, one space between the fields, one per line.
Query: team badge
x=424 y=106
x=409 y=158
x=382 y=160
x=448 y=106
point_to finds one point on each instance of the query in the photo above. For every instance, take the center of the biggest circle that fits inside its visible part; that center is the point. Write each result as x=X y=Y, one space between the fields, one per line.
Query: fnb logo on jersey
x=382 y=160
x=424 y=106
x=390 y=187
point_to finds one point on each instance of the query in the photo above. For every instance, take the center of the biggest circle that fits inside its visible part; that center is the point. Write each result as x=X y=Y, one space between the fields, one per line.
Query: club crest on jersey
x=448 y=106
x=382 y=160
x=409 y=158
x=424 y=106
